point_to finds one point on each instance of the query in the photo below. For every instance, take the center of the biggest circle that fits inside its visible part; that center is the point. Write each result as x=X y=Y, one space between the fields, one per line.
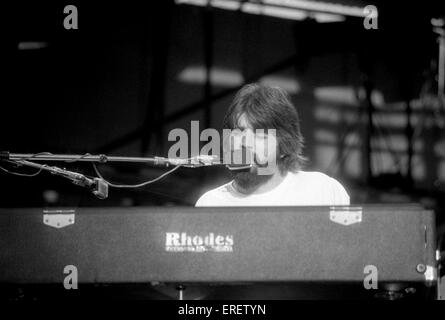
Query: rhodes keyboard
x=370 y=247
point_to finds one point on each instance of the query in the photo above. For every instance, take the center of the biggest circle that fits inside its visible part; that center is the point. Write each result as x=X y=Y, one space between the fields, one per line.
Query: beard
x=249 y=180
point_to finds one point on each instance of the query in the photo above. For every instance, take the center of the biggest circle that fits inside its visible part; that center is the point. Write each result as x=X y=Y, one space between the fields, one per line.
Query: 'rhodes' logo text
x=182 y=242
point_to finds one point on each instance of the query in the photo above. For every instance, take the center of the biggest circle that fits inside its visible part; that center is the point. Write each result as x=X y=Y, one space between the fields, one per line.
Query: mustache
x=242 y=157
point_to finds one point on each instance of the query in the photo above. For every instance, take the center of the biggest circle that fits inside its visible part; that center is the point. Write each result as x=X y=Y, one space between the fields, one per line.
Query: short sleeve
x=339 y=194
x=205 y=200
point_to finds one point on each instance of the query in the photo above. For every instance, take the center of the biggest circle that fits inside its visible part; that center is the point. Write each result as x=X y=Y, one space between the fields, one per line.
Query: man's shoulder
x=320 y=177
x=321 y=181
x=312 y=176
x=212 y=196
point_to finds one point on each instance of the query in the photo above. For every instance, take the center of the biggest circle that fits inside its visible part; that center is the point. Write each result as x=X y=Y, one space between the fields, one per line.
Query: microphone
x=237 y=159
x=240 y=159
x=100 y=188
x=97 y=186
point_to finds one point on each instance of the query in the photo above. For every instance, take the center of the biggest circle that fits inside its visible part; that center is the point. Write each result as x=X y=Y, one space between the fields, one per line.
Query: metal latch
x=345 y=215
x=430 y=274
x=58 y=218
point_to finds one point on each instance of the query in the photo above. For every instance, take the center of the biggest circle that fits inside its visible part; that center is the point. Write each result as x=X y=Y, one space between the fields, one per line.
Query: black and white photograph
x=223 y=154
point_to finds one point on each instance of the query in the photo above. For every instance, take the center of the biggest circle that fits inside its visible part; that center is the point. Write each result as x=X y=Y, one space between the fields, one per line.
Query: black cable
x=95 y=169
x=134 y=185
x=78 y=158
x=21 y=174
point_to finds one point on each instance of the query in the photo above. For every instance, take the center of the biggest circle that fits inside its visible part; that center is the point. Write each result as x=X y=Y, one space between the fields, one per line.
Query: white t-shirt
x=297 y=189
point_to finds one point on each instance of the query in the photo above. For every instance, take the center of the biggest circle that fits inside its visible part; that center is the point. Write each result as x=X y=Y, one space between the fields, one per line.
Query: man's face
x=262 y=145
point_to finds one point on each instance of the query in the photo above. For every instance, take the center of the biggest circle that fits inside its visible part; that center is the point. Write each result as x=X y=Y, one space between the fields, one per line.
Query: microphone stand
x=194 y=162
x=98 y=186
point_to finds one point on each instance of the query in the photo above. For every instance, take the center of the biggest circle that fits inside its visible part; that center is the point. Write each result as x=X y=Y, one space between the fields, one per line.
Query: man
x=262 y=107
